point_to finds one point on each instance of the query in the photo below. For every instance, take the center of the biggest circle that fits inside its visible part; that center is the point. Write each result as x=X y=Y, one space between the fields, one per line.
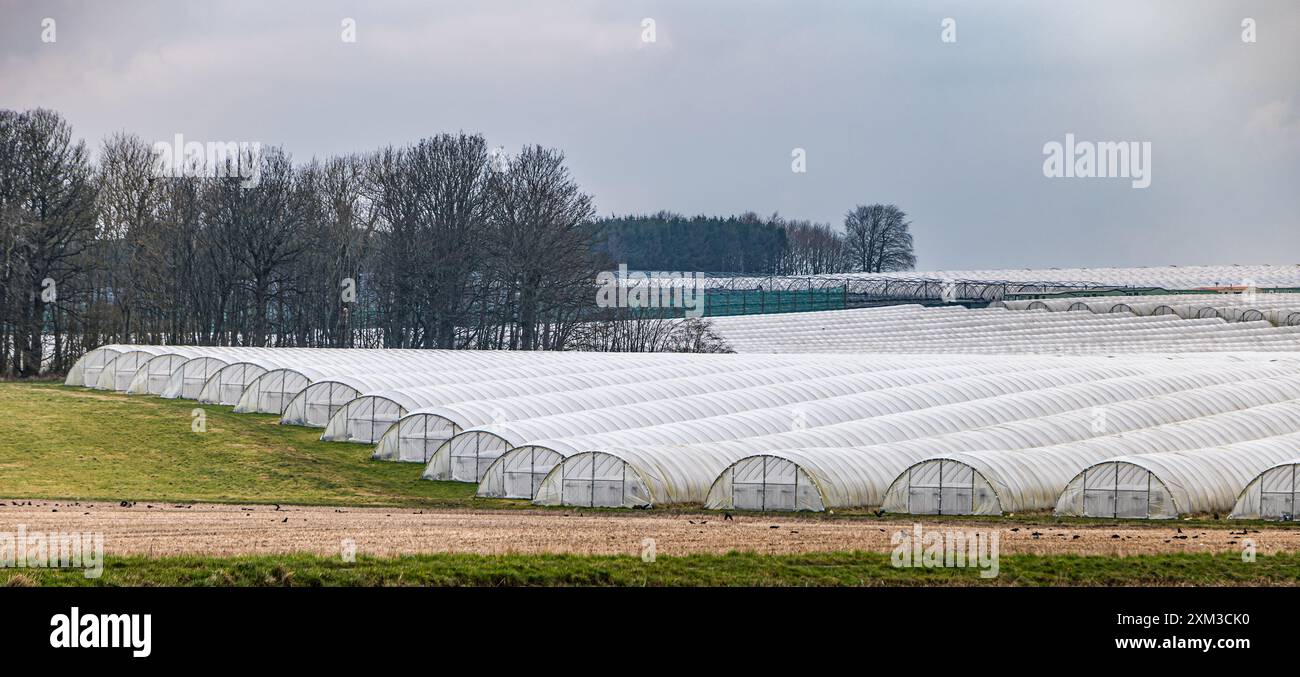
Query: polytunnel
x=85 y=371
x=798 y=479
x=187 y=380
x=581 y=386
x=906 y=425
x=874 y=418
x=504 y=423
x=434 y=367
x=168 y=374
x=1164 y=486
x=117 y=373
x=1273 y=495
x=152 y=376
x=490 y=449
x=470 y=455
x=933 y=479
x=628 y=478
x=1033 y=479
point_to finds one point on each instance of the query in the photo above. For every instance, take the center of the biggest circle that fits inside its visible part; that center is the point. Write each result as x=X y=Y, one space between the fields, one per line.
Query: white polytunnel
x=368 y=417
x=272 y=391
x=116 y=374
x=316 y=404
x=814 y=479
x=480 y=454
x=629 y=478
x=166 y=374
x=468 y=455
x=915 y=329
x=1029 y=480
x=1028 y=463
x=984 y=403
x=870 y=476
x=85 y=371
x=1274 y=494
x=1165 y=486
x=152 y=376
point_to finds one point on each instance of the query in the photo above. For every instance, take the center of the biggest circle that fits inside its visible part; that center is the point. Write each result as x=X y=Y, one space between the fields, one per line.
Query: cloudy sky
x=704 y=118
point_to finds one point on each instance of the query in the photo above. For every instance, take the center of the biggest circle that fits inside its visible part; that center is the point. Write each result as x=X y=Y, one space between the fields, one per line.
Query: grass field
x=66 y=443
x=736 y=569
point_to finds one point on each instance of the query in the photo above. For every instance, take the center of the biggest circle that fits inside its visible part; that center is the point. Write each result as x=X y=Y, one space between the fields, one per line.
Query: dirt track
x=156 y=529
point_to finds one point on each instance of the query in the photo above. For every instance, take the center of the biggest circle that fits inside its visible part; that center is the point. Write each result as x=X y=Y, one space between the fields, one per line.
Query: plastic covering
x=1164 y=486
x=1273 y=495
x=893 y=415
x=917 y=329
x=545 y=389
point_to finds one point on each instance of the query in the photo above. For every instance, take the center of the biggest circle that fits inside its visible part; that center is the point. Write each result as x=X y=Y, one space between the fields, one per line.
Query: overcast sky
x=704 y=119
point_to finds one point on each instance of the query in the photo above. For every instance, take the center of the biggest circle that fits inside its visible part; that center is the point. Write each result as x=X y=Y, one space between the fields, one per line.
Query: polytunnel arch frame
x=395 y=443
x=510 y=480
x=1151 y=476
x=142 y=370
x=799 y=470
x=1258 y=511
x=284 y=394
x=180 y=379
x=578 y=457
x=341 y=429
x=976 y=473
x=445 y=455
x=301 y=398
x=215 y=385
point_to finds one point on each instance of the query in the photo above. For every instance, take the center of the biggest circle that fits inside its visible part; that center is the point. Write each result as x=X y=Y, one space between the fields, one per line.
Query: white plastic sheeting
x=1164 y=486
x=1273 y=495
x=1027 y=464
x=553 y=389
x=85 y=371
x=915 y=329
x=931 y=481
x=484 y=449
x=874 y=418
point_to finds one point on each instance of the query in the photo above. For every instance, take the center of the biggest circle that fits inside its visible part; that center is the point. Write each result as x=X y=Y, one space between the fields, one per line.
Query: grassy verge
x=66 y=443
x=736 y=569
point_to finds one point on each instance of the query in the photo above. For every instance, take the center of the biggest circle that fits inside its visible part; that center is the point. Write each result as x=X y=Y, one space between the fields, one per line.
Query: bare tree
x=540 y=244
x=47 y=201
x=878 y=239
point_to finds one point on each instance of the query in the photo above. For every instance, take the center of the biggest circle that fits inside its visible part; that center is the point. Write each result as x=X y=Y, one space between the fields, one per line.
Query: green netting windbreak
x=755 y=301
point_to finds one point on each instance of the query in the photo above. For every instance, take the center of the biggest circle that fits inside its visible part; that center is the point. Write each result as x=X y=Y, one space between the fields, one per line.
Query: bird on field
x=284 y=520
x=726 y=517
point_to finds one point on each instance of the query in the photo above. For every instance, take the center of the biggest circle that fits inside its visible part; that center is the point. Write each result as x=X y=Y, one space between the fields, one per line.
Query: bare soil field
x=225 y=530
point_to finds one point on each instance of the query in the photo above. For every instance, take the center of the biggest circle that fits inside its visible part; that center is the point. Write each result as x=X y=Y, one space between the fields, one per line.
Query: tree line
x=875 y=238
x=440 y=243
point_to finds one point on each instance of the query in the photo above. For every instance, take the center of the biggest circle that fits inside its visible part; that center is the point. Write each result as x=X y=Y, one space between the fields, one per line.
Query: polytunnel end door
x=768 y=483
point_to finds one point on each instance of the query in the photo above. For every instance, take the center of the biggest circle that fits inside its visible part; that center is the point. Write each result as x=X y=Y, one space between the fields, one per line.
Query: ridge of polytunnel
x=905 y=475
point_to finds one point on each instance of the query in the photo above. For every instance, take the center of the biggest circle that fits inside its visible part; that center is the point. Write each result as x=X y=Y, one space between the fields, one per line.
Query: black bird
x=284 y=520
x=726 y=517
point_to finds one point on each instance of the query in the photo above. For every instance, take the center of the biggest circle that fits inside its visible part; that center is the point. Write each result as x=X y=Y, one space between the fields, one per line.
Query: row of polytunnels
x=1103 y=434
